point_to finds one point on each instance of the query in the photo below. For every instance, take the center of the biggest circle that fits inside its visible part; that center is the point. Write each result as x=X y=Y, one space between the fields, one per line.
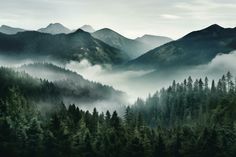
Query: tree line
x=187 y=119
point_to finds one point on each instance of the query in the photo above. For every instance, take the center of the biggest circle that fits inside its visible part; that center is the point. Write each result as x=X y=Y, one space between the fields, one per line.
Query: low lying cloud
x=12 y=62
x=223 y=63
x=121 y=80
x=141 y=83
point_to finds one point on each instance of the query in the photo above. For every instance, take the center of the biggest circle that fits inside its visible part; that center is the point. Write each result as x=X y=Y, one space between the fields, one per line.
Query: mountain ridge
x=154 y=41
x=133 y=48
x=10 y=30
x=195 y=48
x=76 y=46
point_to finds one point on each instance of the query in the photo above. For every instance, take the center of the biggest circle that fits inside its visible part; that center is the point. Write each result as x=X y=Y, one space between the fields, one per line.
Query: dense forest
x=47 y=83
x=195 y=118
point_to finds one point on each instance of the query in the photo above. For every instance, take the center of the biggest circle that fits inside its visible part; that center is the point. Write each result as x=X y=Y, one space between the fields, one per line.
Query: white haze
x=142 y=83
x=121 y=80
x=11 y=62
x=138 y=83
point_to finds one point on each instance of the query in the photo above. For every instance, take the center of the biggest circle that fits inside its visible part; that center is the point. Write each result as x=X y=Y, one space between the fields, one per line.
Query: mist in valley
x=134 y=84
x=141 y=83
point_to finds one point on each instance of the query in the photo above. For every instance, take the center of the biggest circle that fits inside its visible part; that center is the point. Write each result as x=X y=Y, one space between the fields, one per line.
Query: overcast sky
x=132 y=18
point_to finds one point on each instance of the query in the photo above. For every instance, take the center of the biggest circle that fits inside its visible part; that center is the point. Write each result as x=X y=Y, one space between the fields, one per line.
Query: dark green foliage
x=187 y=119
x=70 y=85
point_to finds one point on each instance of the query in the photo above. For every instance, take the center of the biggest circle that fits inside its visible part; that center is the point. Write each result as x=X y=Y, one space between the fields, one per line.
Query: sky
x=131 y=18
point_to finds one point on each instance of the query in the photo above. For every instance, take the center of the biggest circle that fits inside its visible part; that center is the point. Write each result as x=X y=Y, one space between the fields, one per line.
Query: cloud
x=169 y=16
x=120 y=80
x=86 y=69
x=206 y=9
x=141 y=83
x=222 y=63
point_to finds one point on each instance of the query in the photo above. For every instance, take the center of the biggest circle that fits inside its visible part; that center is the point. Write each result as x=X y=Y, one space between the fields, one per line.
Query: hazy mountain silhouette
x=87 y=28
x=55 y=28
x=153 y=41
x=10 y=30
x=133 y=48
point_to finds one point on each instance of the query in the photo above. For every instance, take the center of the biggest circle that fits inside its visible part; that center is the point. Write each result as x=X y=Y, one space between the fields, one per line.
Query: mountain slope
x=132 y=47
x=10 y=30
x=72 y=87
x=55 y=28
x=87 y=28
x=195 y=48
x=154 y=41
x=63 y=47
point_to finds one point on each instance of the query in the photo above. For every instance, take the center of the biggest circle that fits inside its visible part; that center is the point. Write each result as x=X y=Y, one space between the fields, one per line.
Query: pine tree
x=160 y=147
x=115 y=121
x=35 y=137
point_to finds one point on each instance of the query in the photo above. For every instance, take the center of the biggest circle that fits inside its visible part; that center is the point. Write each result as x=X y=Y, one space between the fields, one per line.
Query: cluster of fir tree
x=186 y=119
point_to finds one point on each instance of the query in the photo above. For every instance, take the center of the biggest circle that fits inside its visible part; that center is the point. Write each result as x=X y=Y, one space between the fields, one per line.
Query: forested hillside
x=190 y=118
x=69 y=87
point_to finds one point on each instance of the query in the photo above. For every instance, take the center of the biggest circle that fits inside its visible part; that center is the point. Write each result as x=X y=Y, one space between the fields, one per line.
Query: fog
x=142 y=83
x=121 y=80
x=13 y=62
x=136 y=83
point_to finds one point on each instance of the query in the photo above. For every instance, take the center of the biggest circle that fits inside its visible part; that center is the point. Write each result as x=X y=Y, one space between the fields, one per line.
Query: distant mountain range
x=198 y=47
x=55 y=28
x=10 y=30
x=106 y=46
x=64 y=47
x=133 y=48
x=154 y=41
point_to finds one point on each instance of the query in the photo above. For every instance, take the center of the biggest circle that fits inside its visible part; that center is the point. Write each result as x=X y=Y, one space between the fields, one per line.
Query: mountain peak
x=87 y=28
x=150 y=36
x=106 y=29
x=5 y=26
x=80 y=31
x=10 y=30
x=55 y=28
x=214 y=27
x=108 y=33
x=212 y=30
x=55 y=25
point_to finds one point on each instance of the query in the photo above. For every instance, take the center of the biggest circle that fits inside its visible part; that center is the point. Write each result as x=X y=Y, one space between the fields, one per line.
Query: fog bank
x=141 y=83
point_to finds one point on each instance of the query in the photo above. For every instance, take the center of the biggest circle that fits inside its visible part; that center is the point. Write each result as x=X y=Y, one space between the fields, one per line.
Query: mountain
x=48 y=95
x=154 y=41
x=55 y=28
x=132 y=47
x=198 y=47
x=10 y=30
x=72 y=87
x=87 y=28
x=62 y=47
